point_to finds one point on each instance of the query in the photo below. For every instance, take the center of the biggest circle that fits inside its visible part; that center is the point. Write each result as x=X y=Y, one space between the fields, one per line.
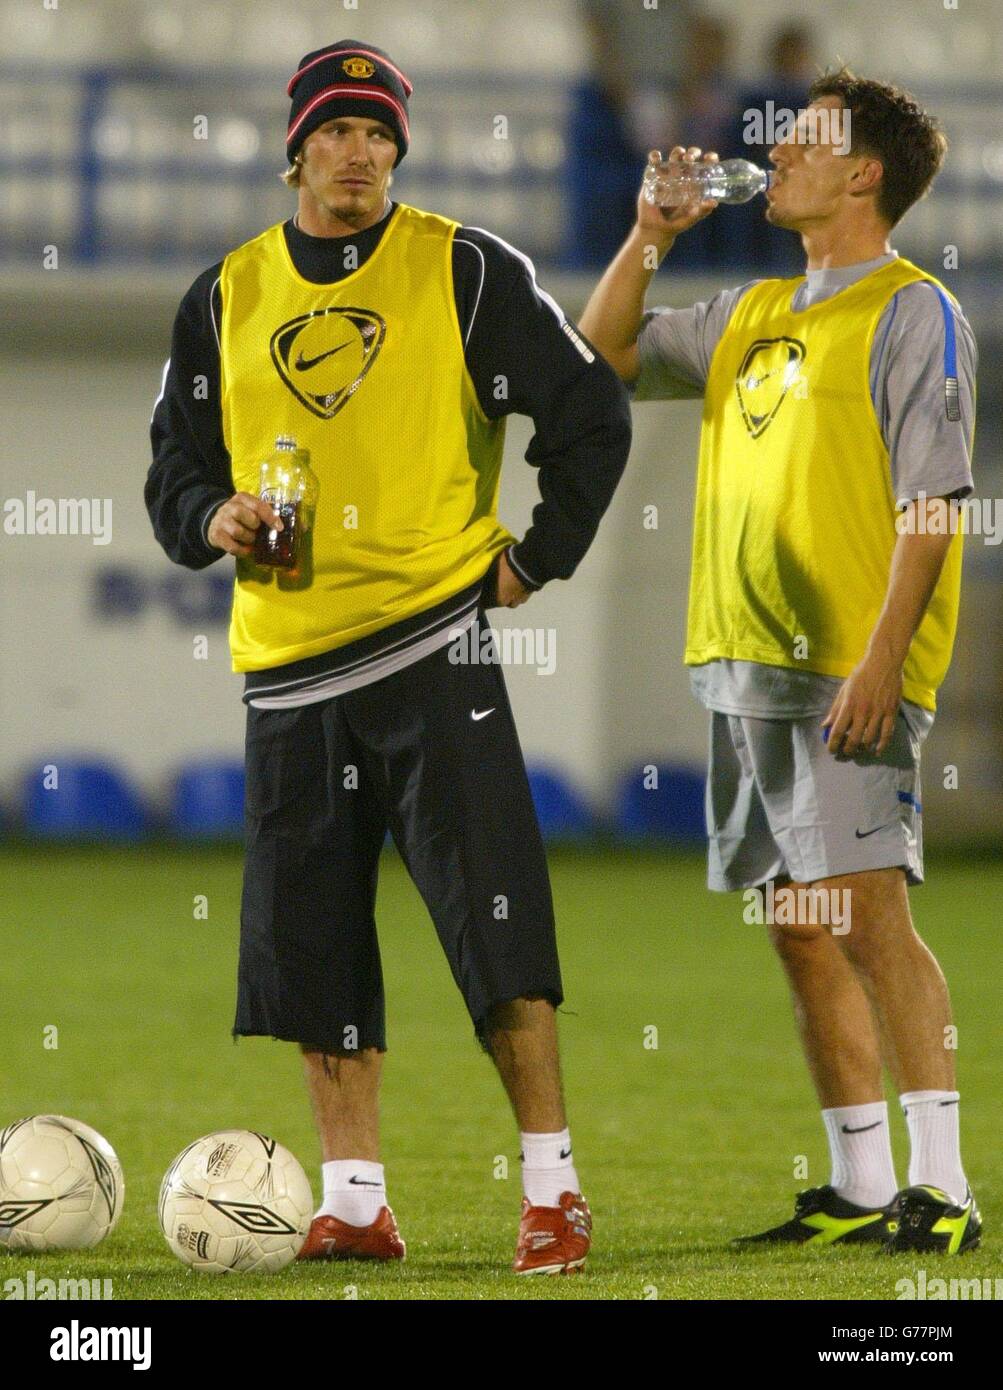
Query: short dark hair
x=889 y=124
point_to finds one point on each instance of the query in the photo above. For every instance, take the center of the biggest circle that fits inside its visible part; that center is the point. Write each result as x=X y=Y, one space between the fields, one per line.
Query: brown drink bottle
x=289 y=485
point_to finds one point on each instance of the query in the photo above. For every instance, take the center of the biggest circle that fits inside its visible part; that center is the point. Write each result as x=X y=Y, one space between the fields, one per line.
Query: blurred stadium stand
x=110 y=170
x=75 y=798
x=562 y=811
x=207 y=800
x=661 y=803
x=104 y=163
x=99 y=153
x=99 y=158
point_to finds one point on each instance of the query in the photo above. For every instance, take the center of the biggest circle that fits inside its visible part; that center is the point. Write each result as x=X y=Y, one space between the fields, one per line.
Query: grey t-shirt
x=928 y=453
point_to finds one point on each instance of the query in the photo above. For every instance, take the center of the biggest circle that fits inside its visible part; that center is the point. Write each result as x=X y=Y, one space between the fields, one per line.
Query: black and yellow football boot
x=822 y=1217
x=928 y=1221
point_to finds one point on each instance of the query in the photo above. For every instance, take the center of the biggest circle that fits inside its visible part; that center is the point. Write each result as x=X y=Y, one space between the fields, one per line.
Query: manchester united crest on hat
x=358 y=67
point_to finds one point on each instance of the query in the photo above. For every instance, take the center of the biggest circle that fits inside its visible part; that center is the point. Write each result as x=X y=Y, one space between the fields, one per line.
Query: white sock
x=354 y=1190
x=547 y=1168
x=861 y=1153
x=935 y=1142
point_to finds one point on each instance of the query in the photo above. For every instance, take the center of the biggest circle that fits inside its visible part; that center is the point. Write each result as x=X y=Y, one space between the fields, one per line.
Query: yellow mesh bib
x=369 y=375
x=794 y=524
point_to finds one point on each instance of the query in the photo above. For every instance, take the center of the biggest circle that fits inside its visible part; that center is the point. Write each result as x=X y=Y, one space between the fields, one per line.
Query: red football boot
x=554 y=1240
x=331 y=1239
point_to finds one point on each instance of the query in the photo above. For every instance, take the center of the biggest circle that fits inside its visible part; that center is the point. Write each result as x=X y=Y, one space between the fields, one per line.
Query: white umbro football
x=61 y=1185
x=235 y=1200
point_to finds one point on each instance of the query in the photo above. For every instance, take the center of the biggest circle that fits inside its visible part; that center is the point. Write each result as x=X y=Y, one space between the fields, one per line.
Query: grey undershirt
x=927 y=452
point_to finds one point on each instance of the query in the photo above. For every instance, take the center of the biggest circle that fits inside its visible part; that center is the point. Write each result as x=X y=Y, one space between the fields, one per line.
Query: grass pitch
x=679 y=1145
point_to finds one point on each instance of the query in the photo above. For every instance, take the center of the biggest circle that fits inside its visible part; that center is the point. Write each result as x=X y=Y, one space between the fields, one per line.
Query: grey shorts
x=779 y=805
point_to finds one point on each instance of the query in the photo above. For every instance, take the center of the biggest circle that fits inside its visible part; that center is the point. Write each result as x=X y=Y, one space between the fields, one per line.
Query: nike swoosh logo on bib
x=303 y=364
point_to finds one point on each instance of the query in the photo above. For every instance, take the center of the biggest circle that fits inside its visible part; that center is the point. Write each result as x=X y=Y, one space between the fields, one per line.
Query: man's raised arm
x=612 y=317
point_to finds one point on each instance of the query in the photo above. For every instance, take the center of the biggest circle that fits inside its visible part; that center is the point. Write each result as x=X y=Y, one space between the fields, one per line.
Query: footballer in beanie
x=346 y=79
x=373 y=334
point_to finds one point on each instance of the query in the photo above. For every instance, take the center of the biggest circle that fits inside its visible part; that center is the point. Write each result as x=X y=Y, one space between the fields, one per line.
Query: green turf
x=678 y=1147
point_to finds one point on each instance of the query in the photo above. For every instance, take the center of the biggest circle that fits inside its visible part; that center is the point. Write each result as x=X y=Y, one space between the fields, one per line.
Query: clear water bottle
x=667 y=185
x=289 y=485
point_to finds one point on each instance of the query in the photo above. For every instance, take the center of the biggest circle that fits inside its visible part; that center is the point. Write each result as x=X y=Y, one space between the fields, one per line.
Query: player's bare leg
x=354 y=1220
x=555 y=1230
x=876 y=980
x=522 y=1037
x=841 y=1045
x=833 y=1016
x=901 y=977
x=912 y=1006
x=344 y=1094
x=876 y=992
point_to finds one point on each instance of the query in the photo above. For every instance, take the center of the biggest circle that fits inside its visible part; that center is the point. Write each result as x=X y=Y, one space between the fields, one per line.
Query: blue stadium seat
x=673 y=809
x=207 y=800
x=562 y=812
x=73 y=797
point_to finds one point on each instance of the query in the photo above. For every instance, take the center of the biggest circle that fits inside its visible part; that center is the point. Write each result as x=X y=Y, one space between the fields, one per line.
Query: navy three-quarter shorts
x=432 y=753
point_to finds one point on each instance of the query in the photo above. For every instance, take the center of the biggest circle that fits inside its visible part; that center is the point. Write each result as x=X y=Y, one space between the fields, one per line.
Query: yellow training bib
x=369 y=375
x=794 y=524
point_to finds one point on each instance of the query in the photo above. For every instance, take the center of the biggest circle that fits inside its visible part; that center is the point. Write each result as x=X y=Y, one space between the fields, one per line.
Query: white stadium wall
x=97 y=640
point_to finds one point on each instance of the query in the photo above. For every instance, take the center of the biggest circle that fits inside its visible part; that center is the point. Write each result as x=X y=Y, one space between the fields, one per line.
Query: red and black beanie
x=347 y=79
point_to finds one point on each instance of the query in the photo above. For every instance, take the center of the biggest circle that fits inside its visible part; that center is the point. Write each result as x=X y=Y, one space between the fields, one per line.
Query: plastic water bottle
x=667 y=185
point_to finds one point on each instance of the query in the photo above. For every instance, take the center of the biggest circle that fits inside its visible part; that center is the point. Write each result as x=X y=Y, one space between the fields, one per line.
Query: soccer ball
x=235 y=1200
x=61 y=1185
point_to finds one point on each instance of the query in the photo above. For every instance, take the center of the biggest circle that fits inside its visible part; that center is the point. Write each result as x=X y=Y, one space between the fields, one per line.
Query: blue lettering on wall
x=123 y=593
